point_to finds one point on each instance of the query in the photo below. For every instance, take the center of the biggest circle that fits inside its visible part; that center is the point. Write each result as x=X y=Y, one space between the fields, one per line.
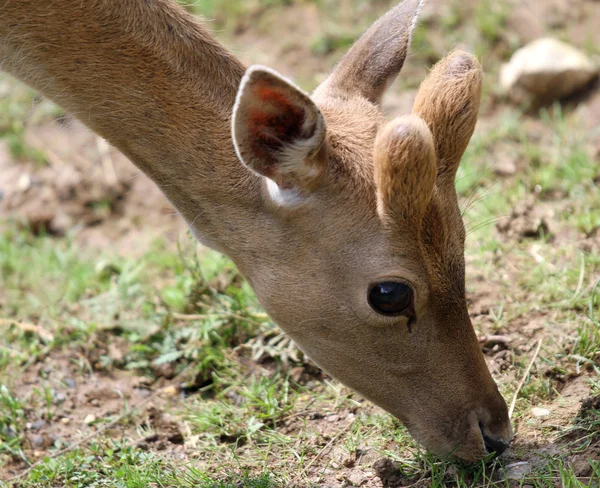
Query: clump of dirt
x=389 y=473
x=589 y=405
x=592 y=242
x=527 y=220
x=166 y=431
x=582 y=462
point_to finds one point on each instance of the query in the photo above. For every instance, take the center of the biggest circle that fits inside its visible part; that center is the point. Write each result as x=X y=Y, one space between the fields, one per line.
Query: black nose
x=496 y=446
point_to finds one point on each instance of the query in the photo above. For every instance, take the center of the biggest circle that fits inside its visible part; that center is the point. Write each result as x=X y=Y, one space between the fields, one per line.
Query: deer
x=346 y=225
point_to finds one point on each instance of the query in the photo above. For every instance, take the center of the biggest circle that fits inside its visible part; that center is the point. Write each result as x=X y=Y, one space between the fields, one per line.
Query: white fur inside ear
x=293 y=155
x=289 y=198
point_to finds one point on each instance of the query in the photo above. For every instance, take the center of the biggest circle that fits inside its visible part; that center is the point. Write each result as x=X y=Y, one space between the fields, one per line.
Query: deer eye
x=392 y=298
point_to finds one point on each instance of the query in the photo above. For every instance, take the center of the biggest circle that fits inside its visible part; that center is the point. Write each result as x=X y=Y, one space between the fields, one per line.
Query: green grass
x=117 y=465
x=12 y=420
x=20 y=105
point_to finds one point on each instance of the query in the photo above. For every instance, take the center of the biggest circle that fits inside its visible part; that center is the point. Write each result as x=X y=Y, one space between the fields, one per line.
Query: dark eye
x=392 y=298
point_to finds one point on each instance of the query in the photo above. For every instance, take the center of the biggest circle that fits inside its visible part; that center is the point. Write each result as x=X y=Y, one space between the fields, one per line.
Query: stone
x=356 y=478
x=517 y=471
x=89 y=419
x=37 y=425
x=539 y=412
x=170 y=391
x=546 y=69
x=504 y=167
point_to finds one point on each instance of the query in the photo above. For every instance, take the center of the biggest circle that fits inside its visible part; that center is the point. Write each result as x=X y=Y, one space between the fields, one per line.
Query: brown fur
x=405 y=171
x=382 y=206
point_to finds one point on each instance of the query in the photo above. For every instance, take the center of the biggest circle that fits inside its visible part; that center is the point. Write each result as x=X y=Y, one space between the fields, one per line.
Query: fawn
x=346 y=225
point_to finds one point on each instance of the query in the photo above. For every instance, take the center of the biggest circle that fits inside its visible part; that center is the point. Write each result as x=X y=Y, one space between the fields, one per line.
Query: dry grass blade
x=522 y=382
x=37 y=330
x=327 y=446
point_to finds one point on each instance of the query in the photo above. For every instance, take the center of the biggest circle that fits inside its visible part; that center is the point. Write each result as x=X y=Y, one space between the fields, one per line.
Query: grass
x=117 y=465
x=253 y=411
x=19 y=104
x=12 y=420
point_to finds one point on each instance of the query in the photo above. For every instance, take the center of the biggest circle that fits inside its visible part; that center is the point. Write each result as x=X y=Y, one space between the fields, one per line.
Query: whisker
x=476 y=199
x=472 y=190
x=479 y=199
x=484 y=223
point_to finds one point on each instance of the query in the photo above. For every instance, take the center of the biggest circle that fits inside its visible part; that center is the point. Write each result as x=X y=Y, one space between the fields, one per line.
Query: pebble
x=38 y=441
x=59 y=398
x=24 y=182
x=539 y=412
x=89 y=419
x=170 y=391
x=37 y=425
x=517 y=471
x=356 y=478
x=504 y=167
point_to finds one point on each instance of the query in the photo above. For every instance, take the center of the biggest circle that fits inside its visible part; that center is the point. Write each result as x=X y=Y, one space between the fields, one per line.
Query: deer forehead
x=352 y=126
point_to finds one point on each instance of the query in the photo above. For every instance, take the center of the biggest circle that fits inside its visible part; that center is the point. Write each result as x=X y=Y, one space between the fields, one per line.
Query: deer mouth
x=494 y=445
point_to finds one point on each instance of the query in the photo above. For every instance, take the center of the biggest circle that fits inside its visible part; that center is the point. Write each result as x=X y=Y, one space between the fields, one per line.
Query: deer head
x=362 y=262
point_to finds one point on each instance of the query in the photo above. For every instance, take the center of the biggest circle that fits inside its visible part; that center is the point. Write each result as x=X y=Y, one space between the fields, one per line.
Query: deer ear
x=377 y=57
x=448 y=100
x=278 y=130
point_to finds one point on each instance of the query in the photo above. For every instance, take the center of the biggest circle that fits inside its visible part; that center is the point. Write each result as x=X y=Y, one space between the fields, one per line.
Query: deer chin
x=462 y=435
x=465 y=438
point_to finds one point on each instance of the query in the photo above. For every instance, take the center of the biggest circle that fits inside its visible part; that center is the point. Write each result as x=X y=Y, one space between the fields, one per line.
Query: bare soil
x=87 y=186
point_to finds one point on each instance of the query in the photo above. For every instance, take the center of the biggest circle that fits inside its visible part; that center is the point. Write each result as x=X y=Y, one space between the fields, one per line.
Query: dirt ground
x=90 y=193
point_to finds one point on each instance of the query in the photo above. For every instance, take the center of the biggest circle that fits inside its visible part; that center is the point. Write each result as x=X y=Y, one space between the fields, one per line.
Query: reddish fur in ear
x=405 y=170
x=448 y=100
x=278 y=130
x=270 y=127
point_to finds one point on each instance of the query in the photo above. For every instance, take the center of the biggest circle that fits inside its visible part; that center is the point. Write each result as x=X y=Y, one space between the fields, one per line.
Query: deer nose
x=495 y=445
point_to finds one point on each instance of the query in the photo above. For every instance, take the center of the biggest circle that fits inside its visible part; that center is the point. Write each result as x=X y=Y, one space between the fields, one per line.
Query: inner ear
x=278 y=130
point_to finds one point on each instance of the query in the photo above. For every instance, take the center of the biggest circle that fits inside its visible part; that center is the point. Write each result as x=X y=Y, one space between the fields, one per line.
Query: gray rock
x=504 y=166
x=517 y=471
x=356 y=478
x=539 y=412
x=546 y=70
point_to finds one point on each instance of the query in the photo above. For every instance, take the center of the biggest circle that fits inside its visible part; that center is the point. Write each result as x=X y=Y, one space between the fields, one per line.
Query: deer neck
x=149 y=79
